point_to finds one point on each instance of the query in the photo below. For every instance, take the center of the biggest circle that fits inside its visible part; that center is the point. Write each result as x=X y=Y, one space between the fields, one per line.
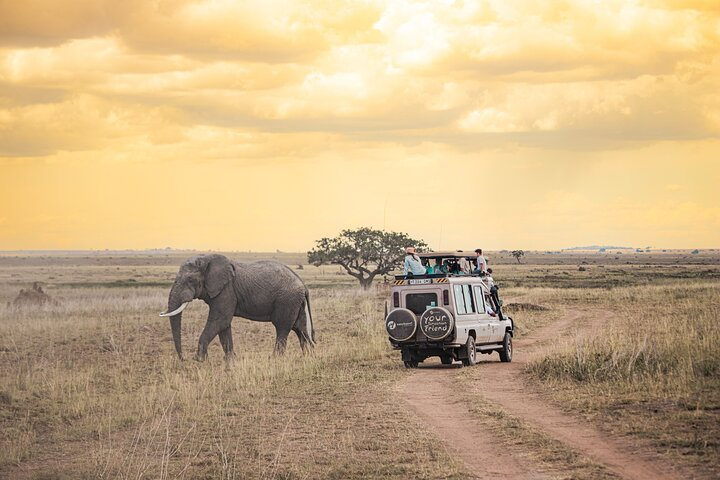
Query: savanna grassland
x=90 y=386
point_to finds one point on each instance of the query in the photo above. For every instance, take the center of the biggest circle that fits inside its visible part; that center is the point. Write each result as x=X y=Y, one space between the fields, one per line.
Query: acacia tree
x=517 y=254
x=364 y=253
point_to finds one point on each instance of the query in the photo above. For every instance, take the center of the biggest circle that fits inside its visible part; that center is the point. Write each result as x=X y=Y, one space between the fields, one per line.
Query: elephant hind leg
x=282 y=319
x=303 y=329
x=305 y=345
x=281 y=333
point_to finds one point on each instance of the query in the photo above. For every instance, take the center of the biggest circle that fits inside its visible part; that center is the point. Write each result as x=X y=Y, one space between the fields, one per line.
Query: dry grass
x=91 y=387
x=652 y=368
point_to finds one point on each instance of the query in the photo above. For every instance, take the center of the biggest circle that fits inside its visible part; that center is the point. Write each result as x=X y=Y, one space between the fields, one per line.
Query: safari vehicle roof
x=439 y=277
x=458 y=254
x=428 y=280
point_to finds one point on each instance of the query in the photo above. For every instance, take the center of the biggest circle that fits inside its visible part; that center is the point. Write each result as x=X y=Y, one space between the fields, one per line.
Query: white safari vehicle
x=449 y=314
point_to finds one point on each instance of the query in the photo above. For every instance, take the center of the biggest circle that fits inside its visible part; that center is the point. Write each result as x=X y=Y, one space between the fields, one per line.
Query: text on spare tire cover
x=400 y=324
x=436 y=323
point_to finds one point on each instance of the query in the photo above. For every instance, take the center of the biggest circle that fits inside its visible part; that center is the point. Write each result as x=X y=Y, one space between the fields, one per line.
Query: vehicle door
x=417 y=300
x=467 y=315
x=485 y=319
x=495 y=328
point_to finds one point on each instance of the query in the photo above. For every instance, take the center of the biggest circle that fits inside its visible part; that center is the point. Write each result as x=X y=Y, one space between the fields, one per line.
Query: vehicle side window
x=479 y=299
x=469 y=304
x=488 y=301
x=463 y=299
x=459 y=300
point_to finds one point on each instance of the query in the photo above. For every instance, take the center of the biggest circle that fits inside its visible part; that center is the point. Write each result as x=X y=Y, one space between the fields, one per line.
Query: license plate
x=420 y=281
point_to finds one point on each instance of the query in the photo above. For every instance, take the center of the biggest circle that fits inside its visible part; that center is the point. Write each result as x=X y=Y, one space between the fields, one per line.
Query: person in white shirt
x=481 y=262
x=464 y=265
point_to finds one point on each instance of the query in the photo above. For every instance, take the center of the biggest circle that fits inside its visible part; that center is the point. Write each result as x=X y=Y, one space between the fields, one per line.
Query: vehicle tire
x=446 y=360
x=506 y=352
x=470 y=352
x=411 y=364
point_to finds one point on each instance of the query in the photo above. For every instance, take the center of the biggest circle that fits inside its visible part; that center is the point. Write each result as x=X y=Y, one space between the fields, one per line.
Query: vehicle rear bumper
x=425 y=345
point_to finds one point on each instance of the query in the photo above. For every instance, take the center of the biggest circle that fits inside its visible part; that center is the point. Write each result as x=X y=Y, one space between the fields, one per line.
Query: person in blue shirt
x=412 y=263
x=429 y=269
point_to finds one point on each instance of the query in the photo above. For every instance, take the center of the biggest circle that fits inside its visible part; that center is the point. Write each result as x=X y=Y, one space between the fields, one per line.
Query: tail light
x=446 y=297
x=396 y=299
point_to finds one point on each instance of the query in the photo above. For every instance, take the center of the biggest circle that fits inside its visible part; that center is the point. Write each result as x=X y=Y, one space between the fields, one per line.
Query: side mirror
x=489 y=271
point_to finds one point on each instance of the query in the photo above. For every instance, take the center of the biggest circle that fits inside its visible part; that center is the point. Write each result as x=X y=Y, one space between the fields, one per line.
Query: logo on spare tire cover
x=436 y=323
x=400 y=324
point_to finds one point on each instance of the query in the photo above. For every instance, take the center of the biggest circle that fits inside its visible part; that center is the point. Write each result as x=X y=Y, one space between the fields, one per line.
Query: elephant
x=264 y=291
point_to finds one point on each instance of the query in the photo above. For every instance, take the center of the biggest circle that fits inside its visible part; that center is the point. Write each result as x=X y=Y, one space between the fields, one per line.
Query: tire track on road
x=502 y=384
x=429 y=393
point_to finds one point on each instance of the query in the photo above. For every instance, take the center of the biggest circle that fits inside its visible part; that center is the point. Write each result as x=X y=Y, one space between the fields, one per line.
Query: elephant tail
x=308 y=319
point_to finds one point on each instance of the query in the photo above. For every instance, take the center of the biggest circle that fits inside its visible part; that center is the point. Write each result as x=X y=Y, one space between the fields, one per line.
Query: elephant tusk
x=175 y=312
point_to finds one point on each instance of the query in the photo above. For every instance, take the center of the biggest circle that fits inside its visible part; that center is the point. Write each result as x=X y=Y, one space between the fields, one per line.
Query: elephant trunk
x=174 y=311
x=175 y=324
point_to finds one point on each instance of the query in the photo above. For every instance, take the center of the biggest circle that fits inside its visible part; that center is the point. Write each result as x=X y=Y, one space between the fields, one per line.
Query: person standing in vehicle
x=481 y=262
x=412 y=263
x=464 y=266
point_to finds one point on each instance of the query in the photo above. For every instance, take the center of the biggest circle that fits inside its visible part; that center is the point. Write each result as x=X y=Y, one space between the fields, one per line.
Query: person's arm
x=407 y=264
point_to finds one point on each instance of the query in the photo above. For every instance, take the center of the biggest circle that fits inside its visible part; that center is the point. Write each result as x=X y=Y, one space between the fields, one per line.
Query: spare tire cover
x=401 y=324
x=436 y=323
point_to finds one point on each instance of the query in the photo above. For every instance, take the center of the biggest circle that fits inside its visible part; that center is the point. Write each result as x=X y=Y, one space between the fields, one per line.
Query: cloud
x=568 y=74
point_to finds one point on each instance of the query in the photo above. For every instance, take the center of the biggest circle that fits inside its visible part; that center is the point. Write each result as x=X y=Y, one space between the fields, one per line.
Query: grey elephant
x=264 y=291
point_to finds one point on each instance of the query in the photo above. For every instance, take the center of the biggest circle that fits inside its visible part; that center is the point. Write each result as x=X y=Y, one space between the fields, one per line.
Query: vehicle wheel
x=446 y=360
x=470 y=352
x=411 y=364
x=506 y=352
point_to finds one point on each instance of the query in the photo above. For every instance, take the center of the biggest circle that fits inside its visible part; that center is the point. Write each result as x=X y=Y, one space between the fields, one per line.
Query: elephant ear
x=218 y=272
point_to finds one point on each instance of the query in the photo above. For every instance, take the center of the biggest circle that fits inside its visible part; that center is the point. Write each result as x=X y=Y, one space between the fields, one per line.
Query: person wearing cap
x=412 y=263
x=481 y=262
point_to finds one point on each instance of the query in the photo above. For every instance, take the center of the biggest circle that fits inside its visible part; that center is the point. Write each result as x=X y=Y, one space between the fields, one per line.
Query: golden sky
x=260 y=125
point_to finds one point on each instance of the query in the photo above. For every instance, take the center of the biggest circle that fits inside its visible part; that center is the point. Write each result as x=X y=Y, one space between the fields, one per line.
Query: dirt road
x=426 y=389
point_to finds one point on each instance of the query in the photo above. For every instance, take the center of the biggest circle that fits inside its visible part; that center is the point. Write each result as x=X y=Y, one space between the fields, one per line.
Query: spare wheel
x=401 y=324
x=436 y=323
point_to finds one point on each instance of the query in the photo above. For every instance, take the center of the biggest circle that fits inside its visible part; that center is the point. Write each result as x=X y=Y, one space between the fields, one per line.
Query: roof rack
x=439 y=275
x=456 y=254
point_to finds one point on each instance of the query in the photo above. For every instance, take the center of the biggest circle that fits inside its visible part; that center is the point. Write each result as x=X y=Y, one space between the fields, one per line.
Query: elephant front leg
x=227 y=343
x=216 y=325
x=211 y=330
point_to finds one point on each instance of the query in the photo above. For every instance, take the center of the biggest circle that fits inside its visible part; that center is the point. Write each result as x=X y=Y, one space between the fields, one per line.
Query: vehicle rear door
x=467 y=315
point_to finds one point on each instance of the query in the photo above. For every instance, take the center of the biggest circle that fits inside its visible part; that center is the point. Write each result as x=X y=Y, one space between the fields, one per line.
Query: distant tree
x=517 y=254
x=695 y=252
x=364 y=253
